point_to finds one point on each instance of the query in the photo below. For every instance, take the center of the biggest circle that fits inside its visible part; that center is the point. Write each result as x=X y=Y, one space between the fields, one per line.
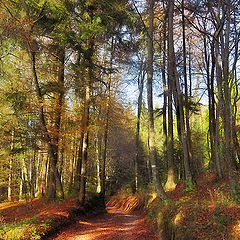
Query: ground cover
x=20 y=220
x=202 y=212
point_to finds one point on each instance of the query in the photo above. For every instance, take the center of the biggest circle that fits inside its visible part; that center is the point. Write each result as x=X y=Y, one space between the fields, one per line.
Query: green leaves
x=90 y=26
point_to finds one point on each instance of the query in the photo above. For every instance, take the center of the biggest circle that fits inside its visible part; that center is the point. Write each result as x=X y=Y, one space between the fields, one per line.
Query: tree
x=151 y=133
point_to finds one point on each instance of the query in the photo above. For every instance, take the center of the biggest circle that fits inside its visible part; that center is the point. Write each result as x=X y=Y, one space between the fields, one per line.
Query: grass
x=27 y=229
x=17 y=222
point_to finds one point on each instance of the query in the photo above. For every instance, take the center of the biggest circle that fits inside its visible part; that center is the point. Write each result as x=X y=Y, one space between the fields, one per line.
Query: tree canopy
x=67 y=124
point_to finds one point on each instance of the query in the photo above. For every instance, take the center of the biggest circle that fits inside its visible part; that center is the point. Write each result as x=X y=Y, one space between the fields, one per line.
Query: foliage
x=63 y=67
x=29 y=228
x=190 y=187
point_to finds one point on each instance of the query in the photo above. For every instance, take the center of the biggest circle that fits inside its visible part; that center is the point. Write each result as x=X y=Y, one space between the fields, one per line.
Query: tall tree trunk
x=106 y=126
x=10 y=178
x=78 y=169
x=85 y=120
x=207 y=66
x=214 y=118
x=139 y=111
x=227 y=112
x=59 y=109
x=168 y=99
x=71 y=165
x=165 y=91
x=53 y=171
x=233 y=75
x=178 y=94
x=188 y=134
x=85 y=124
x=151 y=134
x=99 y=160
x=10 y=175
x=42 y=177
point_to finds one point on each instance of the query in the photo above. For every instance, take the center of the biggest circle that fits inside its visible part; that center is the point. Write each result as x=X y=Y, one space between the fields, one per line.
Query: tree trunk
x=85 y=124
x=85 y=121
x=77 y=178
x=139 y=111
x=177 y=92
x=193 y=168
x=106 y=126
x=99 y=160
x=42 y=176
x=227 y=112
x=151 y=134
x=10 y=175
x=53 y=175
x=10 y=180
x=169 y=145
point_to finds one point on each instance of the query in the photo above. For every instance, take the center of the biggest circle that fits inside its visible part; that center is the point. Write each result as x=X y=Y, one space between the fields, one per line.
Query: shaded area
x=113 y=225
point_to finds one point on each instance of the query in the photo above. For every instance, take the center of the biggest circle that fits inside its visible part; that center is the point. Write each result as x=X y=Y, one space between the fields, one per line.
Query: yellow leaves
x=153 y=196
x=178 y=218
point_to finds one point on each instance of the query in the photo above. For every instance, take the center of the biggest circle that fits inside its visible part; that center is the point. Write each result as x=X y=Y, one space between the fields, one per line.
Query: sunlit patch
x=171 y=183
x=178 y=218
x=235 y=232
x=185 y=198
x=117 y=224
x=127 y=204
x=153 y=196
x=85 y=223
x=19 y=203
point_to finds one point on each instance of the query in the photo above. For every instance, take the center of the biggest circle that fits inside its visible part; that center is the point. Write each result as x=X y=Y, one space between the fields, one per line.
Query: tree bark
x=172 y=71
x=85 y=124
x=85 y=120
x=105 y=139
x=188 y=130
x=53 y=175
x=99 y=160
x=151 y=134
x=168 y=98
x=139 y=111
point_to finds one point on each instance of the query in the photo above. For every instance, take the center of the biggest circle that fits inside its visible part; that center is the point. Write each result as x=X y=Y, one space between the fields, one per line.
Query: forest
x=102 y=96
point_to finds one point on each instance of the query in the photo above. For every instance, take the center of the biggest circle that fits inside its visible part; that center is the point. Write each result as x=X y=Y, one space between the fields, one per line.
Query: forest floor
x=16 y=211
x=203 y=212
x=122 y=220
x=23 y=220
x=116 y=224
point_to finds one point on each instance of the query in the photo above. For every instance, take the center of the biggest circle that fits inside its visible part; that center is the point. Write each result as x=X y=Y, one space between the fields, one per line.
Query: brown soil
x=116 y=224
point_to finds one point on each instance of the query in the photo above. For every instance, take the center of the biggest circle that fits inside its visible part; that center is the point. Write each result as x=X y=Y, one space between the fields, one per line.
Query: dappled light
x=116 y=224
x=119 y=119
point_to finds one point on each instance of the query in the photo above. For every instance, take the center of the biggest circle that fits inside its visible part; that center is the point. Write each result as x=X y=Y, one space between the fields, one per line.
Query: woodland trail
x=113 y=225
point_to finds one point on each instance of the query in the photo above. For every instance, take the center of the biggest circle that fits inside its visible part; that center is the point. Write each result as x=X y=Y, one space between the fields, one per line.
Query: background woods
x=96 y=96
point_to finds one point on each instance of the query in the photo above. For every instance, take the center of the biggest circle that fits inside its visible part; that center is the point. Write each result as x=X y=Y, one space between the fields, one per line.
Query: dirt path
x=114 y=225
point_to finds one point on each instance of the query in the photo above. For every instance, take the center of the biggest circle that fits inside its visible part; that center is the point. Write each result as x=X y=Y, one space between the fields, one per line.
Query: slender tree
x=151 y=133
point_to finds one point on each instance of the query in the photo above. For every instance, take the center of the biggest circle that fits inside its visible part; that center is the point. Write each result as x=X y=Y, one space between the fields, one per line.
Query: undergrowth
x=27 y=229
x=201 y=212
